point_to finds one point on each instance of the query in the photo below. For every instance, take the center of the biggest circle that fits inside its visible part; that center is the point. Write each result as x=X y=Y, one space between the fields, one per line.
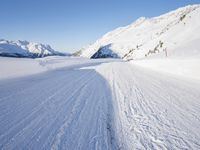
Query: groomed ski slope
x=100 y=105
x=153 y=110
x=63 y=109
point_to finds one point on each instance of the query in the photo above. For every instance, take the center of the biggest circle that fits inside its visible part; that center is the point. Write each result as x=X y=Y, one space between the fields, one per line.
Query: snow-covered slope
x=173 y=34
x=96 y=104
x=25 y=49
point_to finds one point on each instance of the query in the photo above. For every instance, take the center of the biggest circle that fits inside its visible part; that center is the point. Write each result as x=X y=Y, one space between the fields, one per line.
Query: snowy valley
x=143 y=93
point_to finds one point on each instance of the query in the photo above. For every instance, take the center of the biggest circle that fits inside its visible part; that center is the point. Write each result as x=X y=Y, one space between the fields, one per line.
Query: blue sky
x=68 y=25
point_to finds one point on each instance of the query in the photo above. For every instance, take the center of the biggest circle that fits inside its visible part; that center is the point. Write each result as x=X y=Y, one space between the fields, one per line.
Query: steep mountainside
x=173 y=34
x=25 y=49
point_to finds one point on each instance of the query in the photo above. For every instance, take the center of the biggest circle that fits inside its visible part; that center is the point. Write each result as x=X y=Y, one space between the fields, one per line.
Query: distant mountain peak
x=22 y=48
x=147 y=37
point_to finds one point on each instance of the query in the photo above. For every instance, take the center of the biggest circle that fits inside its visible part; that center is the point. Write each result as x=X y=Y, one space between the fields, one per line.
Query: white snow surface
x=64 y=103
x=21 y=67
x=188 y=68
x=25 y=49
x=149 y=37
x=153 y=110
x=75 y=103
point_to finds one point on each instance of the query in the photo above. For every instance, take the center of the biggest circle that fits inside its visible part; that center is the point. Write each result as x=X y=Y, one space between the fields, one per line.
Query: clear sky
x=68 y=25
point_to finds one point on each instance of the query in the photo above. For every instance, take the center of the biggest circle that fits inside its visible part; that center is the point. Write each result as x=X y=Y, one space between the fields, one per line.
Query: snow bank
x=189 y=68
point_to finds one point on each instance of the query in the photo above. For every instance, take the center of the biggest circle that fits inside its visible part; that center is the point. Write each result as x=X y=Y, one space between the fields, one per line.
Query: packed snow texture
x=63 y=108
x=153 y=110
x=64 y=103
x=173 y=34
x=25 y=49
x=96 y=104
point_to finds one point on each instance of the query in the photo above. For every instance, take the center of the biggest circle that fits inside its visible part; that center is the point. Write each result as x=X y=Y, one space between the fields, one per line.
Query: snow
x=64 y=108
x=143 y=37
x=25 y=49
x=152 y=110
x=77 y=103
x=21 y=67
x=188 y=68
x=150 y=102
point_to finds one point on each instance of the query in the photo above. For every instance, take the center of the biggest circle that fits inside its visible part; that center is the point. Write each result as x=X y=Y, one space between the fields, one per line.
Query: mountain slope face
x=173 y=34
x=25 y=49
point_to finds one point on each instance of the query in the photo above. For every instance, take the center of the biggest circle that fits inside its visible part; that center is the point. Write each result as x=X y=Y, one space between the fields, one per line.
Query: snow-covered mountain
x=25 y=49
x=176 y=33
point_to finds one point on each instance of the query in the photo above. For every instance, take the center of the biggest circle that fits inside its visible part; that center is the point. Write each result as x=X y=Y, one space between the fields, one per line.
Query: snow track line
x=152 y=110
x=73 y=106
x=69 y=103
x=49 y=97
x=40 y=106
x=81 y=112
x=69 y=119
x=47 y=90
x=128 y=108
